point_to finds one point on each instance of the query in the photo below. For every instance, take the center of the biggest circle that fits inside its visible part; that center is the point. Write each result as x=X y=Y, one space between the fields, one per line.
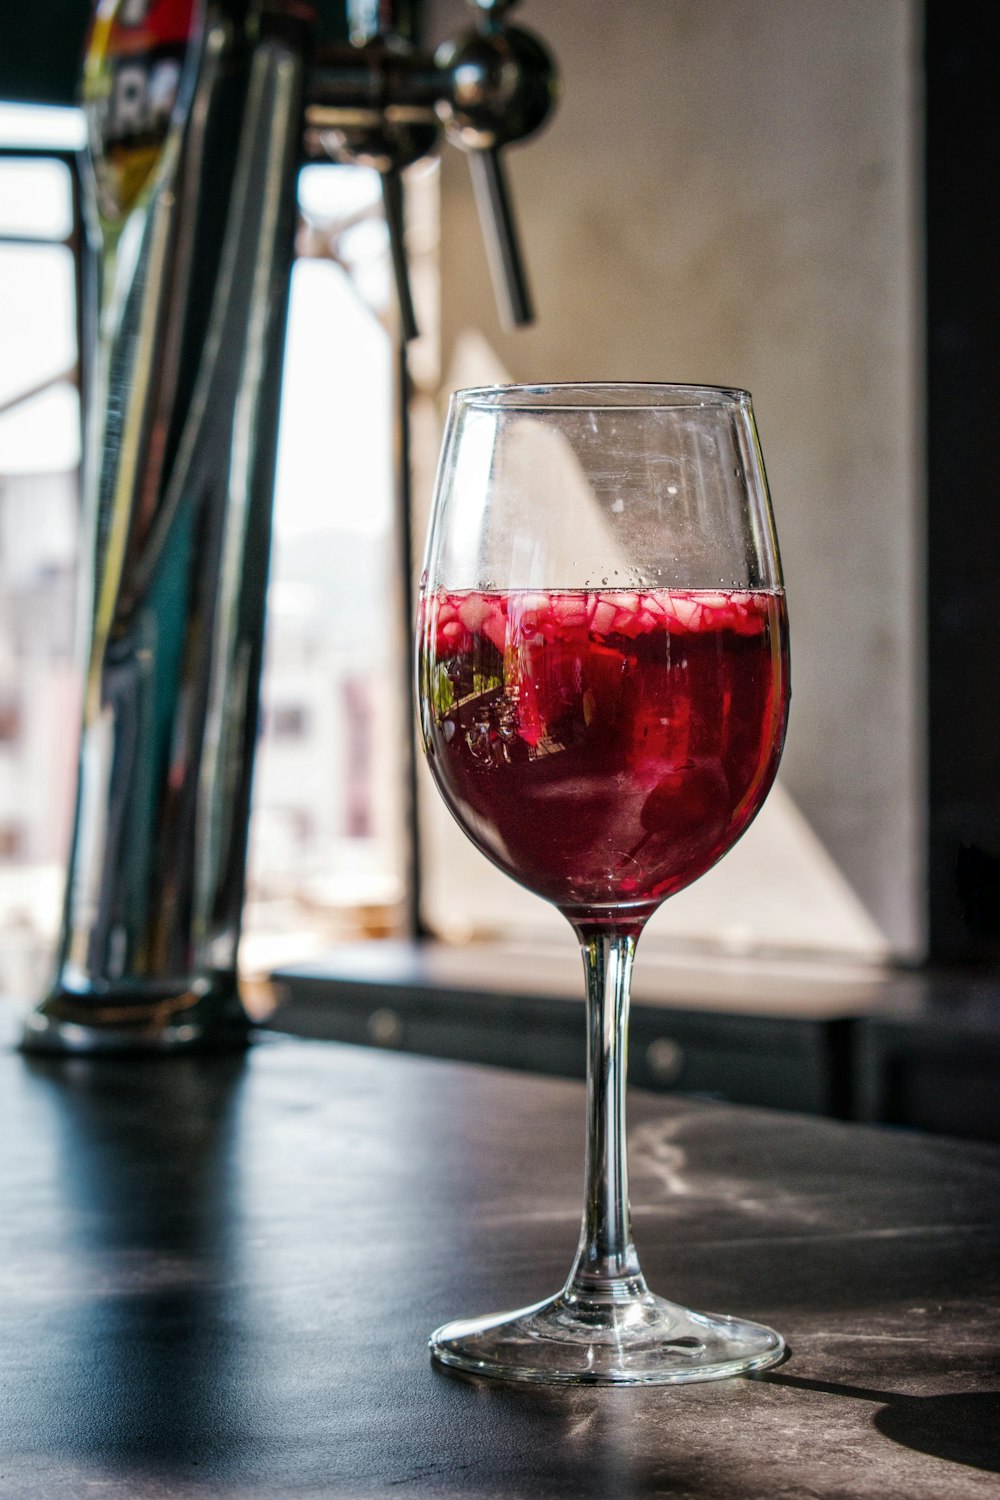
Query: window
x=328 y=833
x=39 y=513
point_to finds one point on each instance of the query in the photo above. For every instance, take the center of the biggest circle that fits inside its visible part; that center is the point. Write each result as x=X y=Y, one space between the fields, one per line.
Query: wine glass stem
x=606 y=1265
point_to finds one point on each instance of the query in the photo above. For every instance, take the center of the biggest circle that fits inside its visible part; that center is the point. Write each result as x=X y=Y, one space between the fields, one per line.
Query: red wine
x=604 y=748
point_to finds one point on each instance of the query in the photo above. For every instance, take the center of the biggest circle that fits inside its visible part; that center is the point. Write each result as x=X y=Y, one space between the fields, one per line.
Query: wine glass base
x=646 y=1341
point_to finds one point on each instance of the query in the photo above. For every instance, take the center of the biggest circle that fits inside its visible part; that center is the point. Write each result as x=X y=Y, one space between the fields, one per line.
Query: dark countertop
x=217 y=1277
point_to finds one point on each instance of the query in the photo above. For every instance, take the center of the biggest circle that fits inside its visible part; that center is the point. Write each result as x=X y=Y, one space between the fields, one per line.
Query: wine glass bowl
x=602 y=671
x=605 y=747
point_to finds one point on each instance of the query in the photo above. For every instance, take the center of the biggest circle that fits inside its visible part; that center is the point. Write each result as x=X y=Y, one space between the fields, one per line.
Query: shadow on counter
x=131 y=1359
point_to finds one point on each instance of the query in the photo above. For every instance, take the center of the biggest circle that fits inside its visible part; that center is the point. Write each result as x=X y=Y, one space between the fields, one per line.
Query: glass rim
x=600 y=395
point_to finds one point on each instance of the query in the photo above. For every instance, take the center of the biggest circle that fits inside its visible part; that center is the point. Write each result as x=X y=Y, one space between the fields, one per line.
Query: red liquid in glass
x=604 y=748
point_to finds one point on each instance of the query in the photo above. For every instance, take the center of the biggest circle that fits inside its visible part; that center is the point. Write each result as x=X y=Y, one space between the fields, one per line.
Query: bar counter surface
x=217 y=1278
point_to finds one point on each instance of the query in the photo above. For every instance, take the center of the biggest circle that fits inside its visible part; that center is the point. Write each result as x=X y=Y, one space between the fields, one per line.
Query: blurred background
x=780 y=195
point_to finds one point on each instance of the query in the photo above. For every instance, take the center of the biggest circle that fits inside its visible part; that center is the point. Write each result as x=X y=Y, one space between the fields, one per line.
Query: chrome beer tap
x=381 y=104
x=200 y=113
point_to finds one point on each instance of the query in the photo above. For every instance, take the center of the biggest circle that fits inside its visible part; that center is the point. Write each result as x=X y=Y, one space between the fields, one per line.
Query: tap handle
x=392 y=203
x=503 y=250
x=379 y=103
x=501 y=85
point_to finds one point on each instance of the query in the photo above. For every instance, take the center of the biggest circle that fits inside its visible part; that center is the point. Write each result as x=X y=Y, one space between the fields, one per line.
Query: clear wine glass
x=603 y=688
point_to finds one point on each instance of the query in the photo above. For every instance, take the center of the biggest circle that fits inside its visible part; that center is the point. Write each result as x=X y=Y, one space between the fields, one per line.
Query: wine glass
x=602 y=676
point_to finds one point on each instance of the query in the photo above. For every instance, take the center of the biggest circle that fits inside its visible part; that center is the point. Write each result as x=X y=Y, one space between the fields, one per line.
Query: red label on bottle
x=131 y=79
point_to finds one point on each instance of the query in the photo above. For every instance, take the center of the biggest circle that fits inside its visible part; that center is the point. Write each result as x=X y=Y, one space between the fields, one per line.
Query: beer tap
x=200 y=113
x=381 y=103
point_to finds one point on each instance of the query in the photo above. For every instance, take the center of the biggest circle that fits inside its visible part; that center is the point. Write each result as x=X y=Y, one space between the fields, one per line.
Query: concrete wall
x=729 y=193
